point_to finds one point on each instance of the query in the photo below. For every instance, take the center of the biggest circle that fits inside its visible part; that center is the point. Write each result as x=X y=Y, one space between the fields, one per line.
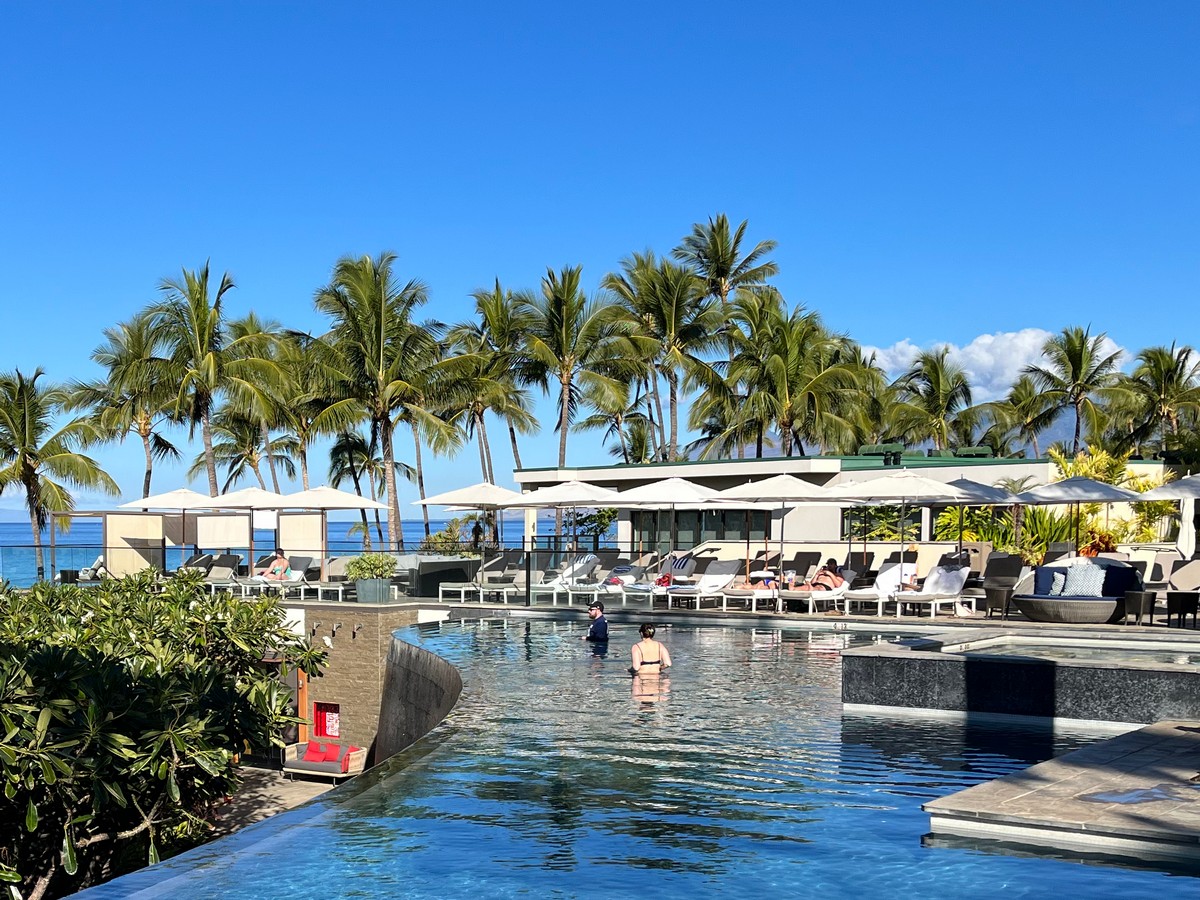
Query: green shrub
x=370 y=565
x=123 y=711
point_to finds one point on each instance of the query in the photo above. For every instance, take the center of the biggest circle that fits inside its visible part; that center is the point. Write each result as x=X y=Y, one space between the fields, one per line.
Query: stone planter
x=373 y=590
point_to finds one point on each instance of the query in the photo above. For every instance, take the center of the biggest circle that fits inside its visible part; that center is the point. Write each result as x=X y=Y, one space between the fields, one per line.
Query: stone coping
x=1138 y=793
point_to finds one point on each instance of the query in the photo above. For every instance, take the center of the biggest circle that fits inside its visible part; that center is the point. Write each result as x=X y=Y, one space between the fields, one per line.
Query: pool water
x=558 y=775
x=1184 y=655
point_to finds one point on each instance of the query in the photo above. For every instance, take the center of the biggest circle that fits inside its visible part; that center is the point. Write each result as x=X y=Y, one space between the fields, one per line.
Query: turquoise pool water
x=559 y=776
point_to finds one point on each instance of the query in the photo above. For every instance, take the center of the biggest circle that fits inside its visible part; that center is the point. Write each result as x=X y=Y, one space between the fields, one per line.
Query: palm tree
x=932 y=395
x=797 y=376
x=354 y=457
x=673 y=321
x=379 y=350
x=715 y=254
x=614 y=413
x=41 y=458
x=206 y=363
x=575 y=341
x=1026 y=411
x=1077 y=370
x=239 y=446
x=499 y=332
x=137 y=395
x=1164 y=384
x=267 y=403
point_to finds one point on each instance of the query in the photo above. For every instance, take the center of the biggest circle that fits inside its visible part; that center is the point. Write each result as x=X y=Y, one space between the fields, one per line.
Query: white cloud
x=992 y=361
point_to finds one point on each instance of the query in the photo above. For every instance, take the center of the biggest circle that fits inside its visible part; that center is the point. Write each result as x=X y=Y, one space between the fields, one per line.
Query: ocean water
x=79 y=547
x=738 y=776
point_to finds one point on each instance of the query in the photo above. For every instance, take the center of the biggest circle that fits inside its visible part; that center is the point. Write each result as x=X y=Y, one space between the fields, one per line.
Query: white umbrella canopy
x=1183 y=489
x=903 y=486
x=565 y=494
x=484 y=495
x=667 y=493
x=780 y=488
x=325 y=497
x=180 y=498
x=1078 y=490
x=250 y=498
x=983 y=494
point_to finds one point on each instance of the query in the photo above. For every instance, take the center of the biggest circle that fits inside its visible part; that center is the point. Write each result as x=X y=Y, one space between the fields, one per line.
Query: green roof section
x=849 y=463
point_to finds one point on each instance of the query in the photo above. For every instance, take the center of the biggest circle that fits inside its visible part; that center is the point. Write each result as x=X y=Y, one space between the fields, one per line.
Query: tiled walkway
x=264 y=793
x=1136 y=794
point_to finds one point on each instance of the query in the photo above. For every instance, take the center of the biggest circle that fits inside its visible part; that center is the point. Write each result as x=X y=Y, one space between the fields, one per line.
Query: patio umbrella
x=786 y=490
x=1185 y=490
x=669 y=493
x=904 y=486
x=981 y=495
x=1077 y=490
x=180 y=498
x=566 y=495
x=482 y=496
x=325 y=497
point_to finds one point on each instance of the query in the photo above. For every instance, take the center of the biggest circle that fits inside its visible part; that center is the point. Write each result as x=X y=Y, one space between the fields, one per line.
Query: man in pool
x=598 y=630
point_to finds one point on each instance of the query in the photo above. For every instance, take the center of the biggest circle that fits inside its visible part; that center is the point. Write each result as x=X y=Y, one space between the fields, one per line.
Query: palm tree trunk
x=785 y=434
x=37 y=541
x=258 y=474
x=210 y=461
x=358 y=490
x=483 y=467
x=621 y=438
x=304 y=465
x=1078 y=424
x=395 y=525
x=487 y=449
x=266 y=436
x=512 y=436
x=662 y=428
x=673 y=401
x=758 y=442
x=564 y=422
x=420 y=476
x=149 y=464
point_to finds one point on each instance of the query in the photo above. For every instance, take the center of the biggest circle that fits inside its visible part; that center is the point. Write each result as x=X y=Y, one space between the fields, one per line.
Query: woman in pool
x=650 y=657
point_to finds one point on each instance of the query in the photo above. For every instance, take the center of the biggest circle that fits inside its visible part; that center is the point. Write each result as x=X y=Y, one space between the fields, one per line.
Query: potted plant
x=372 y=576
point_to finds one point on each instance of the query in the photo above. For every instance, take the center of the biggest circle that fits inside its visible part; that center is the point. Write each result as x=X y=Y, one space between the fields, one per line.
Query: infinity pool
x=560 y=776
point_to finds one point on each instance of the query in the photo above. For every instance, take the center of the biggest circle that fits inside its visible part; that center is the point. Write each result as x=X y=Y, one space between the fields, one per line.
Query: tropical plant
x=714 y=252
x=1078 y=373
x=239 y=447
x=369 y=566
x=379 y=351
x=136 y=396
x=41 y=457
x=1163 y=386
x=355 y=458
x=125 y=709
x=1025 y=412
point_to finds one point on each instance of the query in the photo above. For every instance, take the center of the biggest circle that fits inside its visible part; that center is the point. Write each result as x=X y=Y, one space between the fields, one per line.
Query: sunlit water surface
x=558 y=775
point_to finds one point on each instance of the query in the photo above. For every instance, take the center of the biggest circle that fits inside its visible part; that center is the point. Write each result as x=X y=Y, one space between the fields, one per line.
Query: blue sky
x=976 y=174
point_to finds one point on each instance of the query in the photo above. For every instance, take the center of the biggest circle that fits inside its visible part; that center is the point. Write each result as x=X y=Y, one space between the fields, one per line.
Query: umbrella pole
x=748 y=545
x=960 y=530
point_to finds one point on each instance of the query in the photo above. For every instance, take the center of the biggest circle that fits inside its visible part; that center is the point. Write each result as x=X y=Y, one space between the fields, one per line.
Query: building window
x=327 y=720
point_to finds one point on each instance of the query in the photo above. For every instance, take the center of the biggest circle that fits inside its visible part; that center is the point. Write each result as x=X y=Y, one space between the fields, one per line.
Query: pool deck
x=1133 y=795
x=264 y=792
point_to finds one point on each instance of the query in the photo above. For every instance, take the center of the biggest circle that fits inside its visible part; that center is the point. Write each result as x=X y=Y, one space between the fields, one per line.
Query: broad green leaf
x=70 y=864
x=31 y=817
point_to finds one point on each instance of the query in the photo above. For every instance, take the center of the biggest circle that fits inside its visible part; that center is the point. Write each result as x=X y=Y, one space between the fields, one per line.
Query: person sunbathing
x=827 y=578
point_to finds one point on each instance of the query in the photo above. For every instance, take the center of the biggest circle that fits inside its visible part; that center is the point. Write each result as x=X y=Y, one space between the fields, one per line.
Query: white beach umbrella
x=250 y=498
x=667 y=492
x=484 y=495
x=566 y=494
x=1078 y=490
x=1185 y=490
x=785 y=490
x=325 y=497
x=904 y=487
x=180 y=498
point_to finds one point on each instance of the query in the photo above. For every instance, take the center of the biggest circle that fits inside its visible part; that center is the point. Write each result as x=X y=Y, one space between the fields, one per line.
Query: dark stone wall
x=419 y=690
x=1023 y=687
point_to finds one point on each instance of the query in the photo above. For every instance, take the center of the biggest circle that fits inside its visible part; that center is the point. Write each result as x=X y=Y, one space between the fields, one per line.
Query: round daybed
x=1088 y=596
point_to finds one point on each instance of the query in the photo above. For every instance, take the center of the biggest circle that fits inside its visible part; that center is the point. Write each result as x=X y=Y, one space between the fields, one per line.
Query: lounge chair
x=814 y=599
x=718 y=575
x=297 y=568
x=222 y=574
x=609 y=578
x=1183 y=591
x=887 y=582
x=579 y=566
x=1000 y=577
x=943 y=584
x=495 y=565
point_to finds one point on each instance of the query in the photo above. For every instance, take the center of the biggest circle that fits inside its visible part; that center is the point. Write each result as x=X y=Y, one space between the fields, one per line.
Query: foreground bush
x=122 y=715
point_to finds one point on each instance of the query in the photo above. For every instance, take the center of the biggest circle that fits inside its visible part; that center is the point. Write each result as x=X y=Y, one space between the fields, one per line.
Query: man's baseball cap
x=597 y=604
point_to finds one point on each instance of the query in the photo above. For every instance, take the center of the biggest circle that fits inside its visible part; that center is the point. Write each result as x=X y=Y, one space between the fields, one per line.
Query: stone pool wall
x=907 y=677
x=420 y=688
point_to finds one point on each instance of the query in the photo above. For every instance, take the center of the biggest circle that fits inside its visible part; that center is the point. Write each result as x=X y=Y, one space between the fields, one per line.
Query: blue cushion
x=1084 y=580
x=1042 y=579
x=1119 y=579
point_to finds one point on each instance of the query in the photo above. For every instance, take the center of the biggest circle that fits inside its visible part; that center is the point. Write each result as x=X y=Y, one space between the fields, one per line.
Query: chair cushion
x=1119 y=579
x=314 y=752
x=346 y=758
x=1058 y=581
x=1084 y=581
x=333 y=752
x=1043 y=578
